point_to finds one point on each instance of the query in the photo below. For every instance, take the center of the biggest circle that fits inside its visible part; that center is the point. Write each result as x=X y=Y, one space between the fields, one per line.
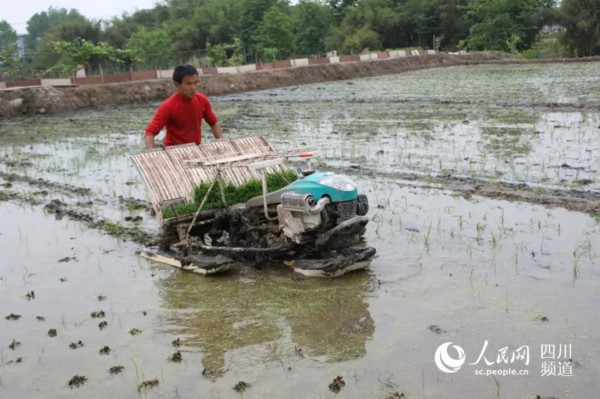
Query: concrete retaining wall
x=165 y=74
x=247 y=68
x=56 y=82
x=227 y=70
x=300 y=62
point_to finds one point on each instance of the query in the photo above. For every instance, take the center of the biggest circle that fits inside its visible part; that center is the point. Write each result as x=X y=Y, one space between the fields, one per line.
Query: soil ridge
x=55 y=100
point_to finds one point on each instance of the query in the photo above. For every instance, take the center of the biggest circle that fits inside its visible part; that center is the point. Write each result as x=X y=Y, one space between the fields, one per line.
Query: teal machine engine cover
x=335 y=186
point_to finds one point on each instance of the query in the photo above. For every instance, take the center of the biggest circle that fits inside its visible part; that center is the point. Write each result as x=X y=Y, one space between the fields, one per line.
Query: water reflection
x=321 y=318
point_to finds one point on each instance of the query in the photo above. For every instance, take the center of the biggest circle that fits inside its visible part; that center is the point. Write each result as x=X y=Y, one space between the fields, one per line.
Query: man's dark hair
x=183 y=70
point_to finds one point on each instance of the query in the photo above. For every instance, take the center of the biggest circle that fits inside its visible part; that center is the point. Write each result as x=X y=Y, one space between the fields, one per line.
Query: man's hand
x=217 y=132
x=149 y=141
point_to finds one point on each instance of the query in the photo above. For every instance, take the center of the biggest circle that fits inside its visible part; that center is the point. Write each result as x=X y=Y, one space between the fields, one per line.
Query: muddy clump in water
x=116 y=370
x=241 y=386
x=147 y=384
x=337 y=384
x=175 y=357
x=98 y=315
x=75 y=345
x=77 y=380
x=15 y=344
x=436 y=329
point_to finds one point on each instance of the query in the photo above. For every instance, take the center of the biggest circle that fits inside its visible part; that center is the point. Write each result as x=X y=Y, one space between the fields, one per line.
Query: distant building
x=551 y=28
x=21 y=46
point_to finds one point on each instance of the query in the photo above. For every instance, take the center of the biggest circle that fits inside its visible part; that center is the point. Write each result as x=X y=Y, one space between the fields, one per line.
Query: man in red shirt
x=182 y=113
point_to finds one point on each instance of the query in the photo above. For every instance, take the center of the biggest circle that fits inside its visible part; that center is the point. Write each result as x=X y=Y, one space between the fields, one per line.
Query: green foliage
x=581 y=19
x=45 y=22
x=385 y=24
x=368 y=25
x=228 y=54
x=152 y=48
x=232 y=32
x=193 y=23
x=505 y=25
x=233 y=194
x=530 y=54
x=311 y=23
x=217 y=54
x=275 y=32
x=364 y=38
x=512 y=42
x=452 y=25
x=8 y=49
x=547 y=45
x=81 y=51
x=250 y=16
x=8 y=38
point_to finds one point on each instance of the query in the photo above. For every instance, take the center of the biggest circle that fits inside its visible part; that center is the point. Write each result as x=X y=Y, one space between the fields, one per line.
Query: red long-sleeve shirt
x=183 y=119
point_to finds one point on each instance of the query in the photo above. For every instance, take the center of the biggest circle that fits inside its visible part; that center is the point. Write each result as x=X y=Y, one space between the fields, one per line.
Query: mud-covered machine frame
x=314 y=224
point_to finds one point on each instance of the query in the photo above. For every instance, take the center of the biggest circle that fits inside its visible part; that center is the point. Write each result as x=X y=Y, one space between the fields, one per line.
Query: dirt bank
x=52 y=100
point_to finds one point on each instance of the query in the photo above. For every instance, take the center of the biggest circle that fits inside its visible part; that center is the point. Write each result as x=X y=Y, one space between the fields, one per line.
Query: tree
x=275 y=35
x=311 y=24
x=452 y=24
x=581 y=19
x=362 y=39
x=505 y=24
x=214 y=21
x=118 y=30
x=45 y=56
x=8 y=41
x=228 y=54
x=42 y=23
x=84 y=29
x=81 y=51
x=9 y=62
x=372 y=24
x=251 y=15
x=339 y=8
x=56 y=24
x=151 y=47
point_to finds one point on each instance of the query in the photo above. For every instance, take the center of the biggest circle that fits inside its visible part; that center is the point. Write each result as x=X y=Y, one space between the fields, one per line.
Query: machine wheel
x=362 y=205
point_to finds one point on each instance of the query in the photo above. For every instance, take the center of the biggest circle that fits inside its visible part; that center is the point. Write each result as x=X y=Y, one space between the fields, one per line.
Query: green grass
x=233 y=194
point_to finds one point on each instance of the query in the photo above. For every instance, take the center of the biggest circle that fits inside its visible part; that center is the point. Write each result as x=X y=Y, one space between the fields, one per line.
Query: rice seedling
x=575 y=264
x=426 y=237
x=480 y=228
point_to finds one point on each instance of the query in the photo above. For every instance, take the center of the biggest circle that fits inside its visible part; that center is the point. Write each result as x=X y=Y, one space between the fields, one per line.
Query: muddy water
x=450 y=268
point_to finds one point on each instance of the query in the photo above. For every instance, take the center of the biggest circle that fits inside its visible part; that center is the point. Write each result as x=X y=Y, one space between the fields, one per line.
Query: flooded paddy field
x=484 y=189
